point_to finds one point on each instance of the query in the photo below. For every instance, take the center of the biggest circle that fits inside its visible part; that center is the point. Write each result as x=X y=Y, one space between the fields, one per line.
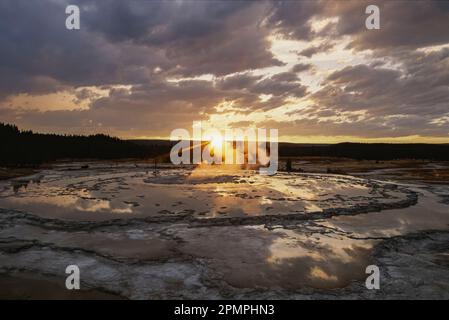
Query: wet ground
x=218 y=232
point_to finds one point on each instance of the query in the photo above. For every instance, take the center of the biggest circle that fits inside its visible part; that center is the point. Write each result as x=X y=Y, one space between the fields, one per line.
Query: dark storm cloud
x=280 y=87
x=285 y=77
x=292 y=18
x=239 y=81
x=197 y=37
x=160 y=22
x=38 y=54
x=421 y=87
x=410 y=24
x=281 y=84
x=123 y=42
x=324 y=47
x=300 y=67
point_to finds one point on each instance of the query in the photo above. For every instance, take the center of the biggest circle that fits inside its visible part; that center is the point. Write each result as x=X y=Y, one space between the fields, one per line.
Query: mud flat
x=221 y=233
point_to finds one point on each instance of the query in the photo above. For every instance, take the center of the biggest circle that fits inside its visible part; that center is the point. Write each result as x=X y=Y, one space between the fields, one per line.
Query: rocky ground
x=200 y=234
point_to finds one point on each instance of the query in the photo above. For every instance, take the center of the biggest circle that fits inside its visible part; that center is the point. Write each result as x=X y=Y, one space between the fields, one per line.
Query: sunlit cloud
x=298 y=66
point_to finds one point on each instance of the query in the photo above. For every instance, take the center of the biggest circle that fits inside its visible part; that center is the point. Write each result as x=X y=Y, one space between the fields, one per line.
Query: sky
x=311 y=69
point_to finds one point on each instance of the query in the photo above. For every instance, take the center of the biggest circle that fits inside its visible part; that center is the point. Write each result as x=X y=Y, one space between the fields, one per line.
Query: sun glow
x=216 y=142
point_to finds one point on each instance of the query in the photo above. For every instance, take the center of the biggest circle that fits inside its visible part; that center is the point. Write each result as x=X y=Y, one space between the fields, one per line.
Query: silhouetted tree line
x=26 y=148
x=369 y=151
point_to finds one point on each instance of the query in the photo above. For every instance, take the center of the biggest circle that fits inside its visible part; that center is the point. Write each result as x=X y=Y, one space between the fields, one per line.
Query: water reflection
x=321 y=260
x=204 y=192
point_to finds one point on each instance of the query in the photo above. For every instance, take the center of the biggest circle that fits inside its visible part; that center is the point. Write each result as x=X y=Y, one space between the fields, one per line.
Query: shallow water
x=210 y=232
x=107 y=192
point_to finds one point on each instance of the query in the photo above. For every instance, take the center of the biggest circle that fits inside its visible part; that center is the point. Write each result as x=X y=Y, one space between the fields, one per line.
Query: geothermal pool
x=103 y=192
x=218 y=232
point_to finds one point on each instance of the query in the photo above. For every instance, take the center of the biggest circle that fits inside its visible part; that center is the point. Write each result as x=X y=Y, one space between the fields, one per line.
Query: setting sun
x=216 y=142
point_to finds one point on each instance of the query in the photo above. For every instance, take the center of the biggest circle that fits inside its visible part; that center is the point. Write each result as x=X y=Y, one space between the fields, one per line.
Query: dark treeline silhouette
x=368 y=151
x=26 y=148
